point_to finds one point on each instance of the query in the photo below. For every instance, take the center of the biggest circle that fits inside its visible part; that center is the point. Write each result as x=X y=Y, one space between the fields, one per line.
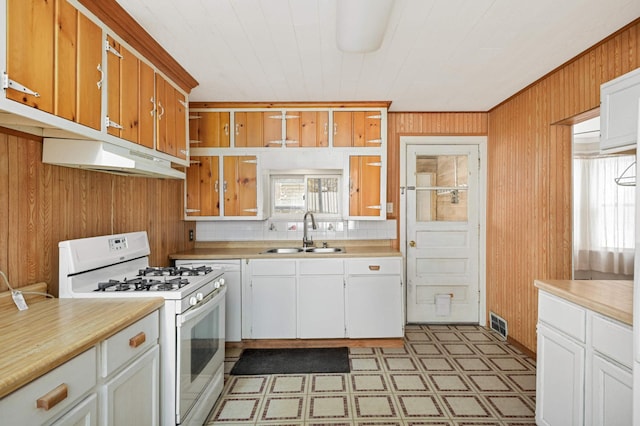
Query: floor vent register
x=499 y=325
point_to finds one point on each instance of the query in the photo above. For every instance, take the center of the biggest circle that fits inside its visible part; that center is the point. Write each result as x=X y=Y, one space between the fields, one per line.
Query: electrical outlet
x=389 y=208
x=190 y=234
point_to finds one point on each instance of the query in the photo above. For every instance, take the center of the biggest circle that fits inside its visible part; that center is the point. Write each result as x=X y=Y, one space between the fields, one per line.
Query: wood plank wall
x=41 y=204
x=529 y=178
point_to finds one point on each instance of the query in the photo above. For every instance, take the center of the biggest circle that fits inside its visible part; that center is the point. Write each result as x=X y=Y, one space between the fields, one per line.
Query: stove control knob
x=193 y=301
x=221 y=282
x=199 y=296
x=217 y=284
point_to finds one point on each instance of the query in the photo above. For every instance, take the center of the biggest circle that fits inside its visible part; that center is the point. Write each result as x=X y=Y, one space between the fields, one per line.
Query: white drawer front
x=273 y=267
x=134 y=340
x=322 y=267
x=562 y=315
x=76 y=377
x=612 y=339
x=374 y=266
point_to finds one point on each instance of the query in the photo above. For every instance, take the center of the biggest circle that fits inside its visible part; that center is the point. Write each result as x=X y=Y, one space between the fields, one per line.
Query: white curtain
x=603 y=215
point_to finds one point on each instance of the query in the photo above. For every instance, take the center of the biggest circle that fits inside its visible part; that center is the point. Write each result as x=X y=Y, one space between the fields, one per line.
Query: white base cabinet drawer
x=70 y=381
x=562 y=315
x=122 y=347
x=374 y=266
x=612 y=339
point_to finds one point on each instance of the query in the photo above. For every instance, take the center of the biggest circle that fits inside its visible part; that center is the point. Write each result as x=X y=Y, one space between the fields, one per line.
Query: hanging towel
x=443 y=305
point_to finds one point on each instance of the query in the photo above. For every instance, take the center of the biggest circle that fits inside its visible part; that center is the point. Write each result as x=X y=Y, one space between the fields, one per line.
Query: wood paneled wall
x=41 y=204
x=529 y=178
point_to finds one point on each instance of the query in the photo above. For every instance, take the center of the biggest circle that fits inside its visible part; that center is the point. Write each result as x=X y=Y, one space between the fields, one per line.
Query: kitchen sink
x=324 y=250
x=295 y=250
x=283 y=250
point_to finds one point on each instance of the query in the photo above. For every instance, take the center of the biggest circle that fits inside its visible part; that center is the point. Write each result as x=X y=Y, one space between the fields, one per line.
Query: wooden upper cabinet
x=113 y=87
x=240 y=186
x=90 y=75
x=202 y=186
x=248 y=129
x=357 y=129
x=364 y=185
x=56 y=51
x=30 y=52
x=129 y=95
x=171 y=119
x=272 y=129
x=146 y=104
x=210 y=129
x=307 y=129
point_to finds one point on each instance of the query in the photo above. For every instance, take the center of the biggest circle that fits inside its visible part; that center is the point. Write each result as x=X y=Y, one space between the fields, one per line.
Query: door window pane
x=441 y=188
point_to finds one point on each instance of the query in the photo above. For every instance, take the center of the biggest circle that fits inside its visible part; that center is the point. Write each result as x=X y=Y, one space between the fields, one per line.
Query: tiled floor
x=444 y=375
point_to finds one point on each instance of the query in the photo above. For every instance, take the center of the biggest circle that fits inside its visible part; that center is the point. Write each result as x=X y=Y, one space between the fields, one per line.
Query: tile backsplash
x=293 y=230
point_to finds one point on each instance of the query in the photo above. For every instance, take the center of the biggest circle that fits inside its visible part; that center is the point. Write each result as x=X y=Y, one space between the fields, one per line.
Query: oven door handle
x=202 y=308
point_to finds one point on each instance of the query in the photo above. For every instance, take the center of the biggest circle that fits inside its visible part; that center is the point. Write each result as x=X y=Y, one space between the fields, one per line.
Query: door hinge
x=109 y=123
x=7 y=83
x=111 y=49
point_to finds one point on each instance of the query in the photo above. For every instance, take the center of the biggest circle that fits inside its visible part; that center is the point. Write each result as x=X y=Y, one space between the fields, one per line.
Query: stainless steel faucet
x=306 y=240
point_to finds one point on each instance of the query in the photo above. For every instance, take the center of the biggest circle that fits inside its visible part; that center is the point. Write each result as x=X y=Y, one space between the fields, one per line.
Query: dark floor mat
x=291 y=361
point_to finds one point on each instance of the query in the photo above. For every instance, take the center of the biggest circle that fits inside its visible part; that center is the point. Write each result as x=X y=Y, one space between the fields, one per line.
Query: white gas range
x=192 y=320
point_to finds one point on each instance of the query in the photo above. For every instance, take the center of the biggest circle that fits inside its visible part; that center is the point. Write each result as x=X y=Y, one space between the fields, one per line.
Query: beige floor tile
x=236 y=410
x=408 y=382
x=458 y=349
x=491 y=349
x=328 y=383
x=365 y=364
x=489 y=383
x=465 y=406
x=447 y=336
x=472 y=364
x=509 y=364
x=374 y=406
x=524 y=382
x=288 y=384
x=510 y=406
x=282 y=408
x=368 y=383
x=434 y=364
x=247 y=385
x=400 y=364
x=449 y=383
x=330 y=407
x=420 y=406
x=425 y=349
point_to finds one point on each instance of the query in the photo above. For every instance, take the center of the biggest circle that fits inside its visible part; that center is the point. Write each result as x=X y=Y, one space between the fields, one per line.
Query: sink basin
x=283 y=250
x=324 y=250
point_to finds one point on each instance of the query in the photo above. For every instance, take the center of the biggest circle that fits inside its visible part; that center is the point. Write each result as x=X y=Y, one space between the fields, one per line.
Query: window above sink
x=293 y=193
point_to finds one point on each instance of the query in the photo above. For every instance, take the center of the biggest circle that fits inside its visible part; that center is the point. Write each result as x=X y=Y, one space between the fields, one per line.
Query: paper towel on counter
x=443 y=305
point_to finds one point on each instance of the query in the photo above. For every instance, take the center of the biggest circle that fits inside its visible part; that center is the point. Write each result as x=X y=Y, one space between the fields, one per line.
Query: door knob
x=412 y=243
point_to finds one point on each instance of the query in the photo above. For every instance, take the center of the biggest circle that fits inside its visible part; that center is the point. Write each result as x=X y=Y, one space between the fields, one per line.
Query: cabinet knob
x=412 y=243
x=53 y=397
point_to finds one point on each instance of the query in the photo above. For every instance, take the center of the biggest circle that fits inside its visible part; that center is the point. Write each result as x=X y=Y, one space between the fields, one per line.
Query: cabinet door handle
x=226 y=130
x=374 y=267
x=161 y=110
x=138 y=339
x=335 y=129
x=215 y=186
x=237 y=128
x=53 y=397
x=153 y=106
x=101 y=76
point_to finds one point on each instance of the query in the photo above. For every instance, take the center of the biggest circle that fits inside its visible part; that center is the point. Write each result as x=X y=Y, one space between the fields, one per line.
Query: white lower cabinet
x=113 y=383
x=374 y=298
x=559 y=379
x=272 y=296
x=83 y=414
x=584 y=365
x=322 y=298
x=131 y=397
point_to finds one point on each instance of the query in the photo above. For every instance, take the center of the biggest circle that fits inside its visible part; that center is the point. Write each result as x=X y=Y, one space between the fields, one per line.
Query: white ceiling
x=437 y=55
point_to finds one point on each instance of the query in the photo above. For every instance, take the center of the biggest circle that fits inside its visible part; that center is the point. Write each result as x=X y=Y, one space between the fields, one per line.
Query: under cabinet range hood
x=105 y=157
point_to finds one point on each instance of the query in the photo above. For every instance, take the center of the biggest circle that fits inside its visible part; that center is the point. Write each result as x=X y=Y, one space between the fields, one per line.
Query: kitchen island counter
x=53 y=331
x=613 y=298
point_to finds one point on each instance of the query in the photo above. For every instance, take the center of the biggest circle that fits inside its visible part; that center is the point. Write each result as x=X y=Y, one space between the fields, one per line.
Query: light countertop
x=254 y=249
x=53 y=331
x=613 y=298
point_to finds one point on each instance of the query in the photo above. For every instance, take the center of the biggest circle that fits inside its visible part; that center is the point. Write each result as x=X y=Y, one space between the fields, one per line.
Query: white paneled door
x=442 y=234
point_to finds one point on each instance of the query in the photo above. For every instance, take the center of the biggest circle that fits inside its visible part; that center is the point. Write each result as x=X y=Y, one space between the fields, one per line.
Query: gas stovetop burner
x=175 y=271
x=143 y=284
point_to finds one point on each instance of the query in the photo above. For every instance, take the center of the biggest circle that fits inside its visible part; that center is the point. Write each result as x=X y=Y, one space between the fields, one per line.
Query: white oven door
x=200 y=350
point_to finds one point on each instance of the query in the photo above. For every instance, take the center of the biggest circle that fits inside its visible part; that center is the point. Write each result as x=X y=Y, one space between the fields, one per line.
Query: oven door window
x=201 y=353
